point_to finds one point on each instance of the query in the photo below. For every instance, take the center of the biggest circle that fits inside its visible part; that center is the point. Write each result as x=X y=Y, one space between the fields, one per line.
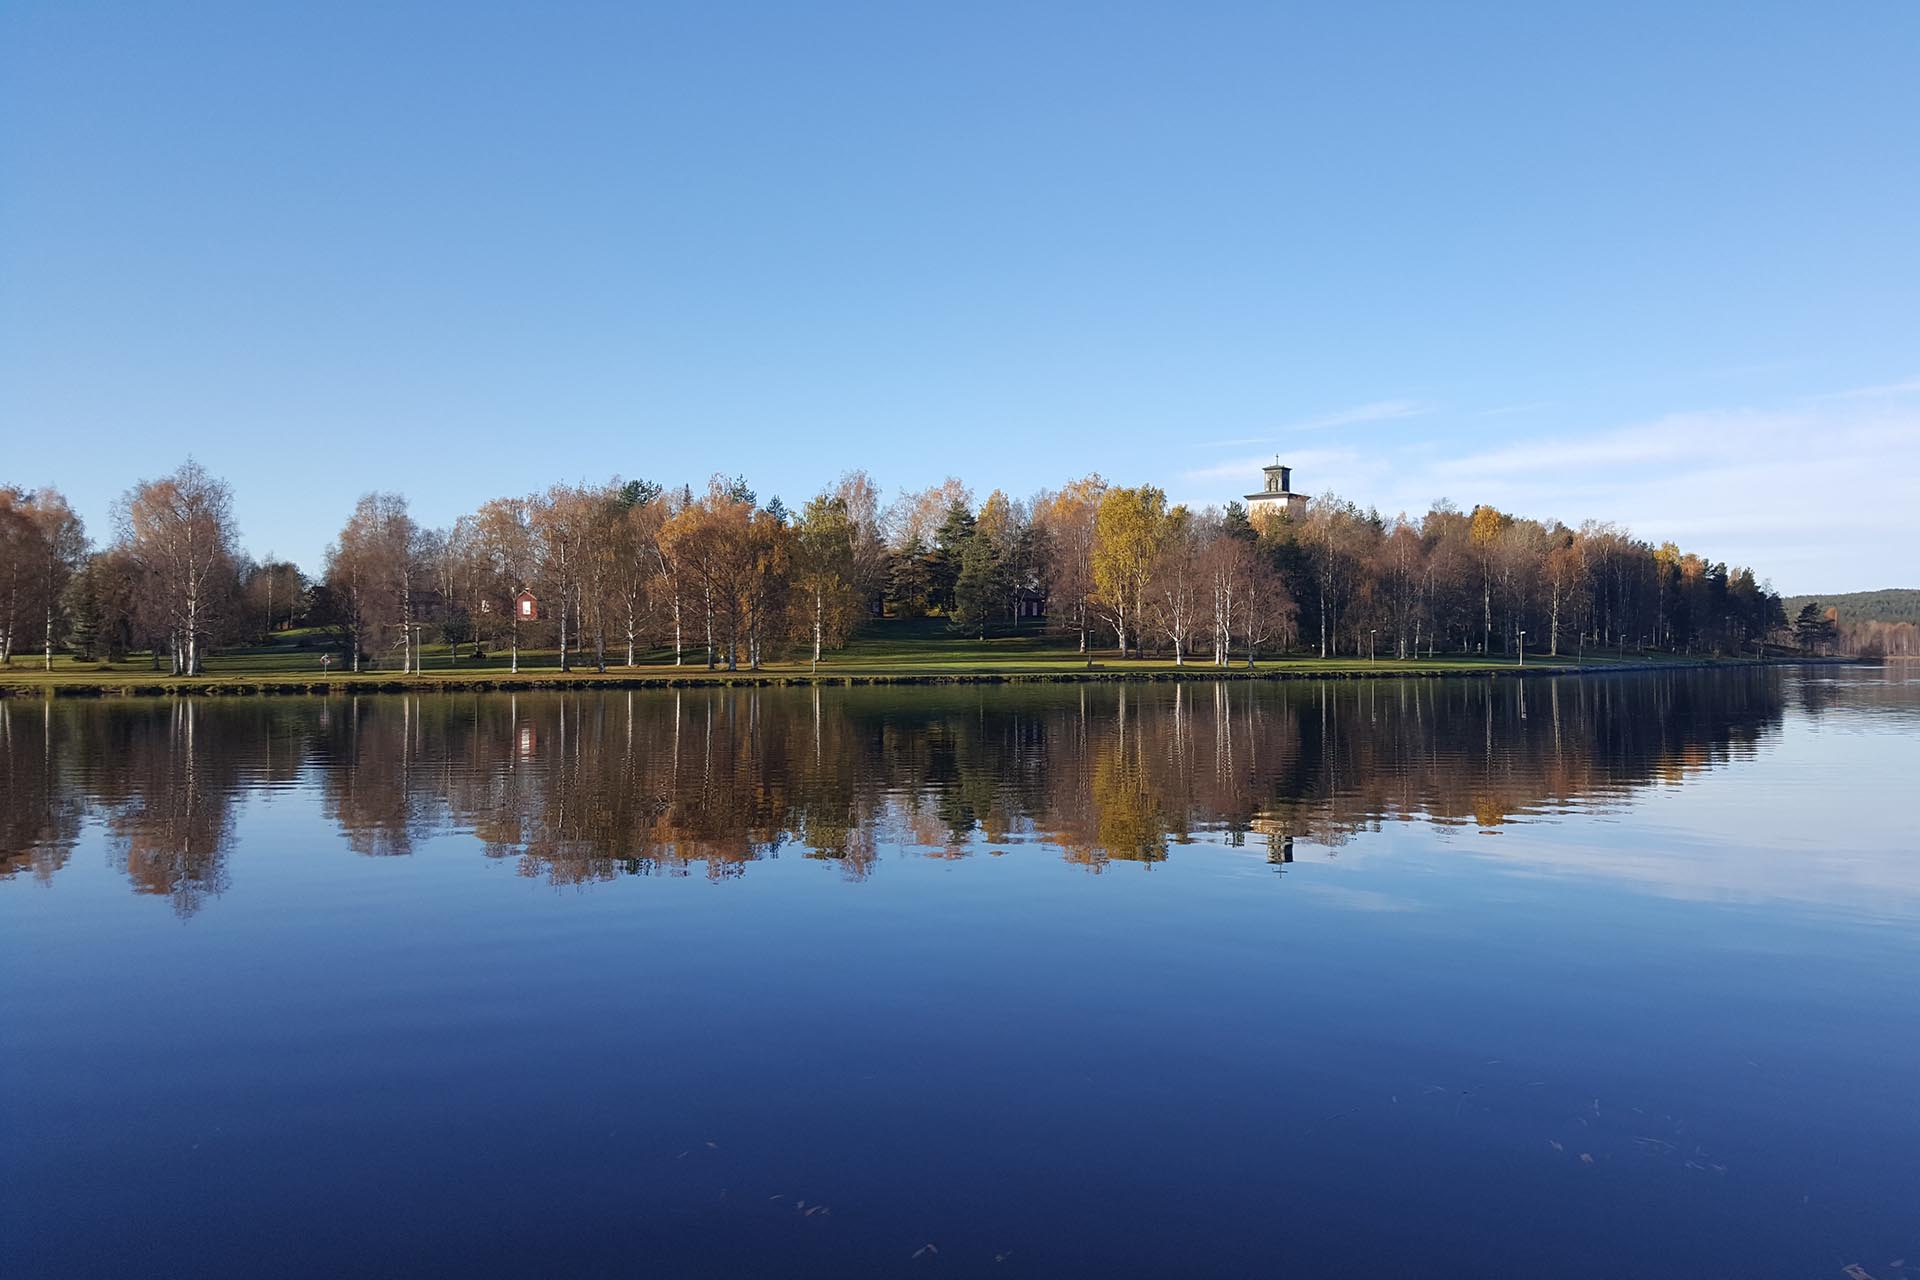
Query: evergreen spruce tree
x=907 y=580
x=949 y=547
x=979 y=587
x=81 y=603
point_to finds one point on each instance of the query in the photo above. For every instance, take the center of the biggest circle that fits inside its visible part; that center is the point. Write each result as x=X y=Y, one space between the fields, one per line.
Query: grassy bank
x=892 y=652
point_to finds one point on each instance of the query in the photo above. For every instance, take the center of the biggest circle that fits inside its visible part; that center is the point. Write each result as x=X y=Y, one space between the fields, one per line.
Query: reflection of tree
x=171 y=787
x=39 y=817
x=579 y=787
x=1130 y=822
x=370 y=770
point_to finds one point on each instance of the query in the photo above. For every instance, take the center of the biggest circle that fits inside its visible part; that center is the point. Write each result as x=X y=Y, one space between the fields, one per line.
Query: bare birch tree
x=179 y=530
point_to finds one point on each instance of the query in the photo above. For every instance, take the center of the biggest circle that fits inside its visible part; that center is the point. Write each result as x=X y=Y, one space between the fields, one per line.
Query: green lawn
x=894 y=649
x=925 y=645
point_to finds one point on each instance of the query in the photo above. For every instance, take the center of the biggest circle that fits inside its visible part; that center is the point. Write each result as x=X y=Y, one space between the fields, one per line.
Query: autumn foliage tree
x=1129 y=530
x=1067 y=522
x=826 y=573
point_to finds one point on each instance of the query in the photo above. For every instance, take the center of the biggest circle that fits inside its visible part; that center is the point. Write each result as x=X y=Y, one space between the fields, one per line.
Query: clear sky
x=1657 y=263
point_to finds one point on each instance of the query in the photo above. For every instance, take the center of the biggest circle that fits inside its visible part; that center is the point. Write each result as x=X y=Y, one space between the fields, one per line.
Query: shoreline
x=701 y=678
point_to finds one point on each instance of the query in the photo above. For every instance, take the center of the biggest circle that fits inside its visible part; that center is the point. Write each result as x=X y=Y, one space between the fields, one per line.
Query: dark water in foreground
x=1601 y=978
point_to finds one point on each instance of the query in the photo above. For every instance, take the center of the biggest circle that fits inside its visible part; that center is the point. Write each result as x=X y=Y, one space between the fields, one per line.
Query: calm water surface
x=1547 y=978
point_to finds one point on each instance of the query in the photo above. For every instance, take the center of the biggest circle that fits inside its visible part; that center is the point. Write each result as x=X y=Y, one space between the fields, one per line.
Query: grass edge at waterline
x=81 y=683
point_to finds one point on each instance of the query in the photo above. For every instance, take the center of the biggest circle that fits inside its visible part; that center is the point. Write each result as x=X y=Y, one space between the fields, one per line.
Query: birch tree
x=1128 y=532
x=1174 y=601
x=1067 y=523
x=179 y=530
x=503 y=538
x=634 y=561
x=857 y=492
x=59 y=548
x=375 y=569
x=826 y=573
x=17 y=556
x=561 y=521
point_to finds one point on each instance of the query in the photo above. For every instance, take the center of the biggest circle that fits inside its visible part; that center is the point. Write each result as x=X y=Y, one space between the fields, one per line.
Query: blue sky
x=1655 y=263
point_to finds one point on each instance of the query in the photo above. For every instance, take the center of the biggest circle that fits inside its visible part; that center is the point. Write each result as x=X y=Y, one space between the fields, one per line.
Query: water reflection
x=578 y=787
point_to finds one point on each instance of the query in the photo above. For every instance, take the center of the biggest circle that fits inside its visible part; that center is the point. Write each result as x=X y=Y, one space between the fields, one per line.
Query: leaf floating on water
x=1555 y=1144
x=1585 y=1158
x=926 y=1248
x=778 y=1196
x=713 y=1146
x=1854 y=1271
x=1002 y=1257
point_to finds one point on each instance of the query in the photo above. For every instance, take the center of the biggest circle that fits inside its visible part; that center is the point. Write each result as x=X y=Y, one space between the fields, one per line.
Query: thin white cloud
x=1376 y=411
x=1246 y=471
x=1910 y=386
x=1672 y=437
x=1372 y=411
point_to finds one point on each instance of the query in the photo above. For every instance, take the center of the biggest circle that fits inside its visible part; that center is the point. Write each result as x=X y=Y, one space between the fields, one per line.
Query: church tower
x=1278 y=497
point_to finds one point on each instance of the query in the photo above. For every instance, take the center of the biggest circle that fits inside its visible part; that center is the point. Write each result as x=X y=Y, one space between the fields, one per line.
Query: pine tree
x=1813 y=630
x=81 y=601
x=979 y=587
x=949 y=547
x=1235 y=524
x=908 y=580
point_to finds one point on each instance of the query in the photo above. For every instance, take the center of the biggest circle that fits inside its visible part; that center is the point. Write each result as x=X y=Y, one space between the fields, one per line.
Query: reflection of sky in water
x=1812 y=818
x=1657 y=1020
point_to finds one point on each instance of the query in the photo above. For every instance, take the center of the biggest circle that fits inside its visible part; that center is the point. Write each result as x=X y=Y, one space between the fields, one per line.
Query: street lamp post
x=1523 y=648
x=1371 y=633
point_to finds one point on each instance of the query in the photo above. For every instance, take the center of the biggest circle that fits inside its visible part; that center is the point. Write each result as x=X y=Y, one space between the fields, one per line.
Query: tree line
x=626 y=570
x=1868 y=623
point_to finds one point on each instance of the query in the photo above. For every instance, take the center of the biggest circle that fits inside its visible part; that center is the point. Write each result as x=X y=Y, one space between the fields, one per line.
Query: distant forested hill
x=1896 y=604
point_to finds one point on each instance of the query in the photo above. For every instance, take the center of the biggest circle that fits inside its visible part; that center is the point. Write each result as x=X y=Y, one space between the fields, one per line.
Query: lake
x=1550 y=977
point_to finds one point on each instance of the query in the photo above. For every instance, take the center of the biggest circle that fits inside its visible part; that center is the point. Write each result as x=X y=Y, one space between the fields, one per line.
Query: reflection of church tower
x=1272 y=828
x=1278 y=497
